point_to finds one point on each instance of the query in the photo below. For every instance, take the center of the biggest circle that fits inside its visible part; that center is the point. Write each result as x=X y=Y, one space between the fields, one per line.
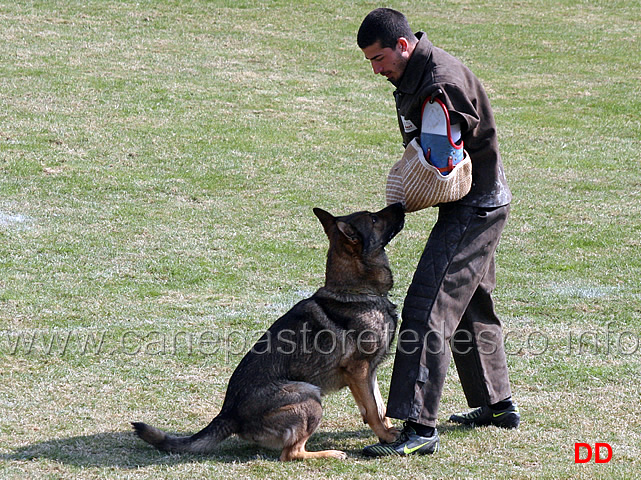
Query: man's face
x=389 y=62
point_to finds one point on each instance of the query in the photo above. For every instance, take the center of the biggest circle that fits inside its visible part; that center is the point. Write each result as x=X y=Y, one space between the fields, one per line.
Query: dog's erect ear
x=329 y=222
x=326 y=218
x=347 y=230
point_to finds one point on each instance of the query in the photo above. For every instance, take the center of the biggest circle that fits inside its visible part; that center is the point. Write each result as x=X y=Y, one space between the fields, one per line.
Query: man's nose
x=376 y=67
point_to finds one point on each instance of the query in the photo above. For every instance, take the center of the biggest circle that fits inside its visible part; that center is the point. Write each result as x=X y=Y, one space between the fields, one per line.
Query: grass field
x=159 y=161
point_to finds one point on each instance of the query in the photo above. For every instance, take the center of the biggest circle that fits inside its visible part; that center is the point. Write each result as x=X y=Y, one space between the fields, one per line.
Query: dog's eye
x=374 y=219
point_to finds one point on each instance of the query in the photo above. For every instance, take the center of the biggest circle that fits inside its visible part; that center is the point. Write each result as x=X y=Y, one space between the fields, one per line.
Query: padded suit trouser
x=448 y=311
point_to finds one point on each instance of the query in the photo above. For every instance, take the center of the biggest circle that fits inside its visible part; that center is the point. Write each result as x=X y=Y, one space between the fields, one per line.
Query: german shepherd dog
x=334 y=339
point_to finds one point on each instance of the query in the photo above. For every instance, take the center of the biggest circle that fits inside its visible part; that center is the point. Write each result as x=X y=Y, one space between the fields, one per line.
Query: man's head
x=386 y=39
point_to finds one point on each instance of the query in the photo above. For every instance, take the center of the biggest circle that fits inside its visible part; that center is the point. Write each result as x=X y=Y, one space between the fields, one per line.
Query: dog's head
x=364 y=232
x=356 y=255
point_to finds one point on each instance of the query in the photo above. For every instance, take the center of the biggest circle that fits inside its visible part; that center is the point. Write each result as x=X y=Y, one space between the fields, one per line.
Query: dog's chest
x=374 y=320
x=368 y=328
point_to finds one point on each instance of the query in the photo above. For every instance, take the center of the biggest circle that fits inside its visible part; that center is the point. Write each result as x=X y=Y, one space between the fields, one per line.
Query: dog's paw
x=336 y=454
x=391 y=434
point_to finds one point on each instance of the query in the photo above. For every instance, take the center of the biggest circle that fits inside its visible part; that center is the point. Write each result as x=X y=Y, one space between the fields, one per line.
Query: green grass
x=159 y=161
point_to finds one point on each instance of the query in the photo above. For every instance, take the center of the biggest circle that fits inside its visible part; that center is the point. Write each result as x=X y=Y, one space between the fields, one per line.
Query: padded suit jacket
x=430 y=69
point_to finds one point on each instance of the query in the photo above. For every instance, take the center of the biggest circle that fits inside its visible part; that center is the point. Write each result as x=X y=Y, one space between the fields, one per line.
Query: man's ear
x=404 y=44
x=327 y=219
x=406 y=47
x=347 y=230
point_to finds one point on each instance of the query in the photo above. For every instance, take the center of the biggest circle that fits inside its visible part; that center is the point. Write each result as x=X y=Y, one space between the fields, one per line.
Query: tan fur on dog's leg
x=378 y=398
x=298 y=452
x=364 y=388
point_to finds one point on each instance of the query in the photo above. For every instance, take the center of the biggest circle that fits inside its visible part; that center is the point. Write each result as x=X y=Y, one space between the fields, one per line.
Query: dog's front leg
x=380 y=404
x=364 y=387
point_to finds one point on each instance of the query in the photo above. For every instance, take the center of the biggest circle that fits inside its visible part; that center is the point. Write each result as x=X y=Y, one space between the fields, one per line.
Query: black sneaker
x=408 y=443
x=508 y=418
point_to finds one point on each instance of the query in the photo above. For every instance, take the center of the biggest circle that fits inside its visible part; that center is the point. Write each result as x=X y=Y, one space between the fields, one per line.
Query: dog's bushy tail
x=202 y=442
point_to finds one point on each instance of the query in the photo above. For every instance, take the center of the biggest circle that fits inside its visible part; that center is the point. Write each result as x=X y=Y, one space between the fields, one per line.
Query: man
x=448 y=306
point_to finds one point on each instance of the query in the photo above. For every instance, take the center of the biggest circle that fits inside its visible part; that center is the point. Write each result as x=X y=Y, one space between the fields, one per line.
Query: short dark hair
x=386 y=26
